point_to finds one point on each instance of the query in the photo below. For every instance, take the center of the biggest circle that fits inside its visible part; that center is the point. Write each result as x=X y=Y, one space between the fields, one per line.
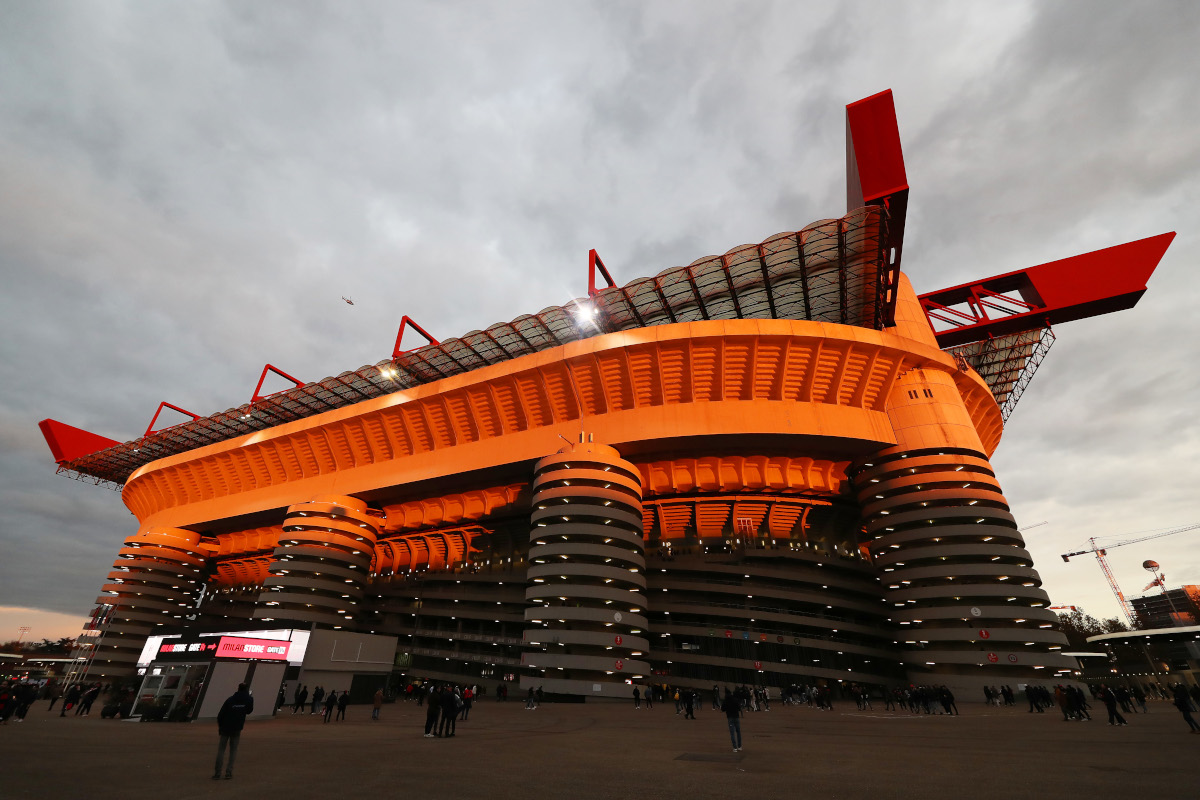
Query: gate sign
x=992 y=657
x=620 y=664
x=758 y=665
x=762 y=637
x=745 y=634
x=257 y=649
x=976 y=611
x=728 y=634
x=985 y=634
x=1012 y=657
x=617 y=640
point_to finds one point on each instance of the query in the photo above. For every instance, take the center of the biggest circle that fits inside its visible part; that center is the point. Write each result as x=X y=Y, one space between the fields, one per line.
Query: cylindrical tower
x=322 y=563
x=154 y=580
x=959 y=583
x=586 y=573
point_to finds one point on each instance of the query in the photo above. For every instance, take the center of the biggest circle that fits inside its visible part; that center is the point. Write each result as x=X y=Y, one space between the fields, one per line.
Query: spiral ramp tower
x=155 y=579
x=322 y=563
x=586 y=575
x=959 y=583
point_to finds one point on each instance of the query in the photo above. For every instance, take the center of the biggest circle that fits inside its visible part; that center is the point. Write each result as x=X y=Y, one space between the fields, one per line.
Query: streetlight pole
x=1161 y=580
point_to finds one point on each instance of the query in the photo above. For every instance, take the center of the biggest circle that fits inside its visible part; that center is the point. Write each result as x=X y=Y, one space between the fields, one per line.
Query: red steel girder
x=405 y=321
x=1086 y=285
x=161 y=406
x=875 y=176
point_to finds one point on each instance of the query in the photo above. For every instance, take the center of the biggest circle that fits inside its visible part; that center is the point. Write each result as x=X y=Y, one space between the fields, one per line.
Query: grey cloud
x=188 y=190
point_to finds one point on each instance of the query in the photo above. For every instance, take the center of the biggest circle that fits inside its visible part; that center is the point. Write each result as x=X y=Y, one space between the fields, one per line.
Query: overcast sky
x=186 y=191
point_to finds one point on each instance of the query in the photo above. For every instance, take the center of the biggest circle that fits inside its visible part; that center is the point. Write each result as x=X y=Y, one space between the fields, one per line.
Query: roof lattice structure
x=830 y=271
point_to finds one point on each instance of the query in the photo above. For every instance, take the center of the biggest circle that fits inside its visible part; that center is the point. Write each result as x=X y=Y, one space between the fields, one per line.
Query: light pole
x=1153 y=568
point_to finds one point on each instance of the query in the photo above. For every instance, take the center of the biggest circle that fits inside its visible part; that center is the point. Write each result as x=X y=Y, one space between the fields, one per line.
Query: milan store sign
x=232 y=647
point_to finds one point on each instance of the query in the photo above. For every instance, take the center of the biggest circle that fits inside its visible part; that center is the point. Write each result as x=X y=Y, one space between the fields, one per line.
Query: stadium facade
x=768 y=467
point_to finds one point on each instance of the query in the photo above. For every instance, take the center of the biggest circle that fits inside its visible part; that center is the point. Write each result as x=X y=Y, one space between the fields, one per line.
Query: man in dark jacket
x=733 y=712
x=230 y=720
x=431 y=713
x=450 y=706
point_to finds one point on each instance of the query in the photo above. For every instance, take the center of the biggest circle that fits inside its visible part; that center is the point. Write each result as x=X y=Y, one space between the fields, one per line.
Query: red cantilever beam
x=68 y=443
x=161 y=406
x=1086 y=285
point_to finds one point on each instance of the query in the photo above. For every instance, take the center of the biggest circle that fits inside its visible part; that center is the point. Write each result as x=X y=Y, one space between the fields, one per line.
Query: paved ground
x=613 y=751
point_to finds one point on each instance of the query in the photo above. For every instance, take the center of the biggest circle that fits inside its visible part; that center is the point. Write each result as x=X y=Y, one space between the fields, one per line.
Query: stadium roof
x=830 y=271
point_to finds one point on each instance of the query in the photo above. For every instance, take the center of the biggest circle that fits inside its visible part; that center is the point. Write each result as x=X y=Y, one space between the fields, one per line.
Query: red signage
x=175 y=648
x=758 y=665
x=617 y=640
x=992 y=657
x=728 y=634
x=762 y=637
x=257 y=649
x=985 y=634
x=620 y=664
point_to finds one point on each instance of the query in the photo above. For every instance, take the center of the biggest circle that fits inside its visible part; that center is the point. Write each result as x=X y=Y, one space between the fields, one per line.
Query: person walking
x=89 y=697
x=468 y=698
x=230 y=721
x=70 y=700
x=317 y=696
x=1109 y=698
x=733 y=715
x=301 y=696
x=376 y=704
x=55 y=694
x=1184 y=704
x=637 y=697
x=330 y=703
x=343 y=701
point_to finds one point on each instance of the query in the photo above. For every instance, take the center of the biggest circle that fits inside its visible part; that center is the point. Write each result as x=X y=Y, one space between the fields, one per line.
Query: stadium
x=768 y=467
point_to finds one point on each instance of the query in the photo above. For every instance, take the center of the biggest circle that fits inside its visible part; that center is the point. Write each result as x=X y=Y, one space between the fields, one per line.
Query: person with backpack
x=230 y=721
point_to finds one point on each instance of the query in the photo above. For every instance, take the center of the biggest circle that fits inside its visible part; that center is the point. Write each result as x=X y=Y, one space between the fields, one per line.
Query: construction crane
x=1101 y=552
x=1031 y=527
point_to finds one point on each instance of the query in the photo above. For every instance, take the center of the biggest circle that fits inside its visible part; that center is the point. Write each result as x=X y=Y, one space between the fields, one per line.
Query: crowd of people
x=445 y=705
x=17 y=697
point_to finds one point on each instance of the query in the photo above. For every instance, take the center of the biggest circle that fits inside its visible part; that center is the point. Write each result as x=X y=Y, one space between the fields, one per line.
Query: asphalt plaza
x=609 y=750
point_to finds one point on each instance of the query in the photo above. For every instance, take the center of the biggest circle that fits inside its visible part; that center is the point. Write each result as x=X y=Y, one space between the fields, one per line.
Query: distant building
x=1177 y=607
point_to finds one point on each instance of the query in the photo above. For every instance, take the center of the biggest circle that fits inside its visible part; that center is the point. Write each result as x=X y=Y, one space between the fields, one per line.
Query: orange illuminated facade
x=768 y=467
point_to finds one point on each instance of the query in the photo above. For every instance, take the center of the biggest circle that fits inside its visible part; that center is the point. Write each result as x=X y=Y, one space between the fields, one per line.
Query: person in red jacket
x=230 y=721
